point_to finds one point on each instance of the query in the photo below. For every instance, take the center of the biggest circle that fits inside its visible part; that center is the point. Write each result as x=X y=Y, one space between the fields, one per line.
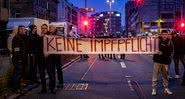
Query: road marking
x=123 y=65
x=129 y=83
x=76 y=86
x=88 y=69
x=74 y=61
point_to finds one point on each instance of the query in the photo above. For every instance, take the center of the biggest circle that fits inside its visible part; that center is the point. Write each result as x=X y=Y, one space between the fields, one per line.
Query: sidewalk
x=6 y=69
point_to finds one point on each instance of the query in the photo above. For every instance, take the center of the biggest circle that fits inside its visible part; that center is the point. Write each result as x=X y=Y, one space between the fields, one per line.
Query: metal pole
x=159 y=12
x=85 y=3
x=182 y=10
x=182 y=14
x=110 y=16
x=110 y=5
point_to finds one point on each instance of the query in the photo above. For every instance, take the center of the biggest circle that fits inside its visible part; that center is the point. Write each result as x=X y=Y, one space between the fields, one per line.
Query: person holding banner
x=41 y=58
x=161 y=61
x=54 y=61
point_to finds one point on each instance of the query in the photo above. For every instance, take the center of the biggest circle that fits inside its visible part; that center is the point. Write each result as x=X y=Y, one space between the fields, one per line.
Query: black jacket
x=166 y=48
x=179 y=47
x=34 y=43
x=19 y=48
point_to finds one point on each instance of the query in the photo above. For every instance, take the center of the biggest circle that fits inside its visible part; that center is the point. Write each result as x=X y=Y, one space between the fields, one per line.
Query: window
x=167 y=25
x=154 y=24
x=167 y=15
x=5 y=4
x=167 y=7
x=17 y=13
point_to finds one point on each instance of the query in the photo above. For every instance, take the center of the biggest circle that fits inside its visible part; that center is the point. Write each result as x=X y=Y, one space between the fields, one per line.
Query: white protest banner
x=137 y=45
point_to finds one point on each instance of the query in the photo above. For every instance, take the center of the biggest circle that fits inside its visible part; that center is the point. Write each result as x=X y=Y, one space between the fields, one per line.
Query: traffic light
x=85 y=23
x=181 y=25
x=138 y=2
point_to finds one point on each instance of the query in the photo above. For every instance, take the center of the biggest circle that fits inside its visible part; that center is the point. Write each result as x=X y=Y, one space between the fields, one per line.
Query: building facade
x=108 y=23
x=152 y=16
x=3 y=14
x=70 y=14
x=129 y=9
x=44 y=9
x=3 y=21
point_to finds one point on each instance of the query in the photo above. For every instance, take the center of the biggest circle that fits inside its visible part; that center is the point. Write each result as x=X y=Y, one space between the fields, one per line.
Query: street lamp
x=110 y=5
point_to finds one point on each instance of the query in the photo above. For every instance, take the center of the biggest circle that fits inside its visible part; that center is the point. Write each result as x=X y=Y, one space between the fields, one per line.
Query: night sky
x=101 y=5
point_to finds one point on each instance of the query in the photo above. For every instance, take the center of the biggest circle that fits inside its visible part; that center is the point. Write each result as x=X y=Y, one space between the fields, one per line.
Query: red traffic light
x=138 y=1
x=182 y=25
x=86 y=23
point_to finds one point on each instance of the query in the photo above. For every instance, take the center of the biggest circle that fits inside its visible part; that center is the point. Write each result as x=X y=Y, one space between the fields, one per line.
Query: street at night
x=111 y=79
x=92 y=49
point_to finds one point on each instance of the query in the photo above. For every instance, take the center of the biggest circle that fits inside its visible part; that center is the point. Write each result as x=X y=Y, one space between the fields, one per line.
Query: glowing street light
x=110 y=3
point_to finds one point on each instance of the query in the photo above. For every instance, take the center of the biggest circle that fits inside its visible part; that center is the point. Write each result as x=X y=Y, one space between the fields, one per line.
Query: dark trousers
x=183 y=79
x=122 y=56
x=101 y=56
x=112 y=56
x=17 y=74
x=54 y=61
x=42 y=68
x=33 y=68
x=176 y=62
x=82 y=56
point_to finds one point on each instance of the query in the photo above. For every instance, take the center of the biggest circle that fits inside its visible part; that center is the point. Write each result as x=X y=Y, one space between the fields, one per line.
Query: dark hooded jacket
x=179 y=46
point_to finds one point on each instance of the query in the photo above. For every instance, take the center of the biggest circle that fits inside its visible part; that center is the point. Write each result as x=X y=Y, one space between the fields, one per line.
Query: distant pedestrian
x=19 y=59
x=122 y=56
x=179 y=52
x=161 y=62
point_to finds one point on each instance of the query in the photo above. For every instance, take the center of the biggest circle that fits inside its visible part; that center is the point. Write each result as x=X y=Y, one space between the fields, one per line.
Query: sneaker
x=170 y=77
x=154 y=92
x=177 y=76
x=167 y=91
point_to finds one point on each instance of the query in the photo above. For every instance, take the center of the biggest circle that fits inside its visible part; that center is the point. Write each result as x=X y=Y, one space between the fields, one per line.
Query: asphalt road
x=112 y=79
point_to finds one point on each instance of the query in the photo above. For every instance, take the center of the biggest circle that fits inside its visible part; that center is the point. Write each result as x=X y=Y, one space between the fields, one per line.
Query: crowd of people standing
x=29 y=59
x=171 y=47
